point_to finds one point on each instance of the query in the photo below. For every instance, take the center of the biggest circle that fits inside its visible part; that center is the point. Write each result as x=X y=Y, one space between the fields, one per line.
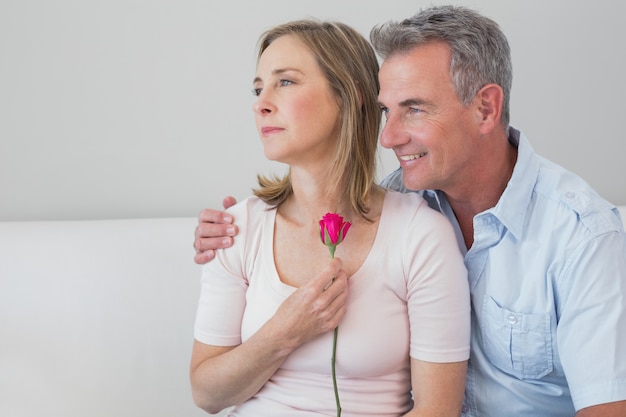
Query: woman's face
x=297 y=114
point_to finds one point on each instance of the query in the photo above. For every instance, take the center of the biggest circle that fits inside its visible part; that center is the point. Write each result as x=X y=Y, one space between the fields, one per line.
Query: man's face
x=430 y=130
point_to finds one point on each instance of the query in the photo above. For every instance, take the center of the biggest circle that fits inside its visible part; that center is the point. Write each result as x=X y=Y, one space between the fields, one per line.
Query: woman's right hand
x=224 y=376
x=215 y=230
x=314 y=308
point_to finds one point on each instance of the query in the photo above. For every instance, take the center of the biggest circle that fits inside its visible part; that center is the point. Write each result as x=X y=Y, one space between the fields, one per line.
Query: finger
x=202 y=258
x=205 y=230
x=331 y=315
x=328 y=284
x=214 y=216
x=333 y=298
x=324 y=280
x=212 y=243
x=228 y=202
x=337 y=306
x=338 y=286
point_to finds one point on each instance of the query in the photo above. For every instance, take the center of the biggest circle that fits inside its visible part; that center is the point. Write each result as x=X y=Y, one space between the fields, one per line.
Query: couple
x=545 y=255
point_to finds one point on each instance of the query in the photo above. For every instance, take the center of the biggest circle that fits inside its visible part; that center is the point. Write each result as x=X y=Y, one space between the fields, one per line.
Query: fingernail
x=228 y=219
x=230 y=231
x=226 y=242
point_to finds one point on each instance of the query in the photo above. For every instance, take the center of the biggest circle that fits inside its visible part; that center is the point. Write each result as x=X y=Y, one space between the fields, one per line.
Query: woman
x=267 y=308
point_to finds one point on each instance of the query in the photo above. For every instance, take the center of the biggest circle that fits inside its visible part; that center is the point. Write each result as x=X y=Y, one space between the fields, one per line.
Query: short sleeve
x=591 y=330
x=438 y=290
x=224 y=285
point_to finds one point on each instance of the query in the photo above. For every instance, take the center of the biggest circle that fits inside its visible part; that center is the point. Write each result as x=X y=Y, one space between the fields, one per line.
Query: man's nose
x=392 y=133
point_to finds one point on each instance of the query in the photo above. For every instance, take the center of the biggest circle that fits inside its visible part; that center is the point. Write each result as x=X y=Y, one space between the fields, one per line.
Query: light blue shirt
x=547 y=274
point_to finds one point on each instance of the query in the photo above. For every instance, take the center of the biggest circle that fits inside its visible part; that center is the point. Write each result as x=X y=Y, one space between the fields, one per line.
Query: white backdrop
x=141 y=108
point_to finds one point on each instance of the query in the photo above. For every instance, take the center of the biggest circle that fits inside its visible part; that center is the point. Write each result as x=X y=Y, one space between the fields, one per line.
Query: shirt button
x=512 y=319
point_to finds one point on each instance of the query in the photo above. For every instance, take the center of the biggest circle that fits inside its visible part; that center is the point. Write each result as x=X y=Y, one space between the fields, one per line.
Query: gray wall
x=141 y=108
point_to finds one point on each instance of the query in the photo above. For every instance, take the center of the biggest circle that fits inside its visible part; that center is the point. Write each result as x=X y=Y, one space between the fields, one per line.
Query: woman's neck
x=311 y=203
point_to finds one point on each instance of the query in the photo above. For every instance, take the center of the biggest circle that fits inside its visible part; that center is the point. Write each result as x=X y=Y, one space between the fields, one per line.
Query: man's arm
x=615 y=409
x=215 y=230
x=594 y=306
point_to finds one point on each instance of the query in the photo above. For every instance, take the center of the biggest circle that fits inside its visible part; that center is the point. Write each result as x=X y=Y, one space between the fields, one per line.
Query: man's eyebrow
x=408 y=102
x=278 y=71
x=413 y=102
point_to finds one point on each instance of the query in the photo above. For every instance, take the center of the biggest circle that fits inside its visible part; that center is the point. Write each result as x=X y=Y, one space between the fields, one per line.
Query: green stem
x=332 y=360
x=334 y=374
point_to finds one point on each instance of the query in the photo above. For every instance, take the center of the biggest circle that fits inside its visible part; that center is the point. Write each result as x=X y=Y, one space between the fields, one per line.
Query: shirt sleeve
x=223 y=289
x=438 y=290
x=591 y=330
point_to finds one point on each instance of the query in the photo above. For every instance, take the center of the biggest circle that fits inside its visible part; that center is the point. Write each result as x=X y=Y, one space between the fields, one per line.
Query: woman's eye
x=284 y=83
x=257 y=91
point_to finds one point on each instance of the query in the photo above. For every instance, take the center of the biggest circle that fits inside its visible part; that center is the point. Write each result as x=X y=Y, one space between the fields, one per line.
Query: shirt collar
x=511 y=209
x=512 y=206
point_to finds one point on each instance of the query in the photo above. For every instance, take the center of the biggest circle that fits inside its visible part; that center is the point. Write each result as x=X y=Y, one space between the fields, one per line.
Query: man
x=546 y=255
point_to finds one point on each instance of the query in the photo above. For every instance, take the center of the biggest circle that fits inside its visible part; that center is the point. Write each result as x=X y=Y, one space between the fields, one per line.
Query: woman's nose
x=262 y=106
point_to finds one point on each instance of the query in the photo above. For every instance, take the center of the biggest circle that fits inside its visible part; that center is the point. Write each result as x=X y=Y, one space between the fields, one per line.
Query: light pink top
x=410 y=297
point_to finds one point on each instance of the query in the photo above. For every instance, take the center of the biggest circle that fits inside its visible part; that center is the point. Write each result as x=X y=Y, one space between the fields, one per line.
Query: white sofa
x=96 y=318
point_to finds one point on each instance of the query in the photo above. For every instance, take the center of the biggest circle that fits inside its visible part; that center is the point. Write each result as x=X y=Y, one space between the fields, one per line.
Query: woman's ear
x=489 y=101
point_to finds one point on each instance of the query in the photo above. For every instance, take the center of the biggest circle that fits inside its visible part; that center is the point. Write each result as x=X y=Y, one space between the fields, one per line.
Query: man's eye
x=414 y=110
x=257 y=91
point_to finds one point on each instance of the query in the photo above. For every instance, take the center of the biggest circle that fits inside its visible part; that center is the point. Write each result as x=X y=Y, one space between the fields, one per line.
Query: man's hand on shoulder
x=215 y=230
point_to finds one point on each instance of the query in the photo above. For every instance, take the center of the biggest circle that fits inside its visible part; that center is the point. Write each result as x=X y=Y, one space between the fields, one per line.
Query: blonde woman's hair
x=349 y=64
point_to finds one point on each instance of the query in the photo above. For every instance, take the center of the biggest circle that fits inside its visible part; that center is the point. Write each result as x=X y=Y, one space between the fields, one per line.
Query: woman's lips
x=269 y=130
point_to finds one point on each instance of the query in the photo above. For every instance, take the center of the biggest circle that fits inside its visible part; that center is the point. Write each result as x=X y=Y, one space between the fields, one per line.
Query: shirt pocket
x=517 y=343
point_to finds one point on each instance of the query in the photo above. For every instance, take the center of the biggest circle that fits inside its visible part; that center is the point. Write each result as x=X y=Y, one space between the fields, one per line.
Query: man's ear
x=489 y=101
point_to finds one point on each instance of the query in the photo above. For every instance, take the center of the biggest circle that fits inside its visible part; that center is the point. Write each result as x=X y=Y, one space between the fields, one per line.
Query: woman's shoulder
x=253 y=218
x=249 y=214
x=405 y=202
x=411 y=207
x=250 y=207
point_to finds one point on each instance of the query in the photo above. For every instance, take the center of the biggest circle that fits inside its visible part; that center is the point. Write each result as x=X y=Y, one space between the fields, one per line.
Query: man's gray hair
x=480 y=50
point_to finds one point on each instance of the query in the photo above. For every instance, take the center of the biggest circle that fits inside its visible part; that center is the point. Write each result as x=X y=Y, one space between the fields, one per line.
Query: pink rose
x=333 y=230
